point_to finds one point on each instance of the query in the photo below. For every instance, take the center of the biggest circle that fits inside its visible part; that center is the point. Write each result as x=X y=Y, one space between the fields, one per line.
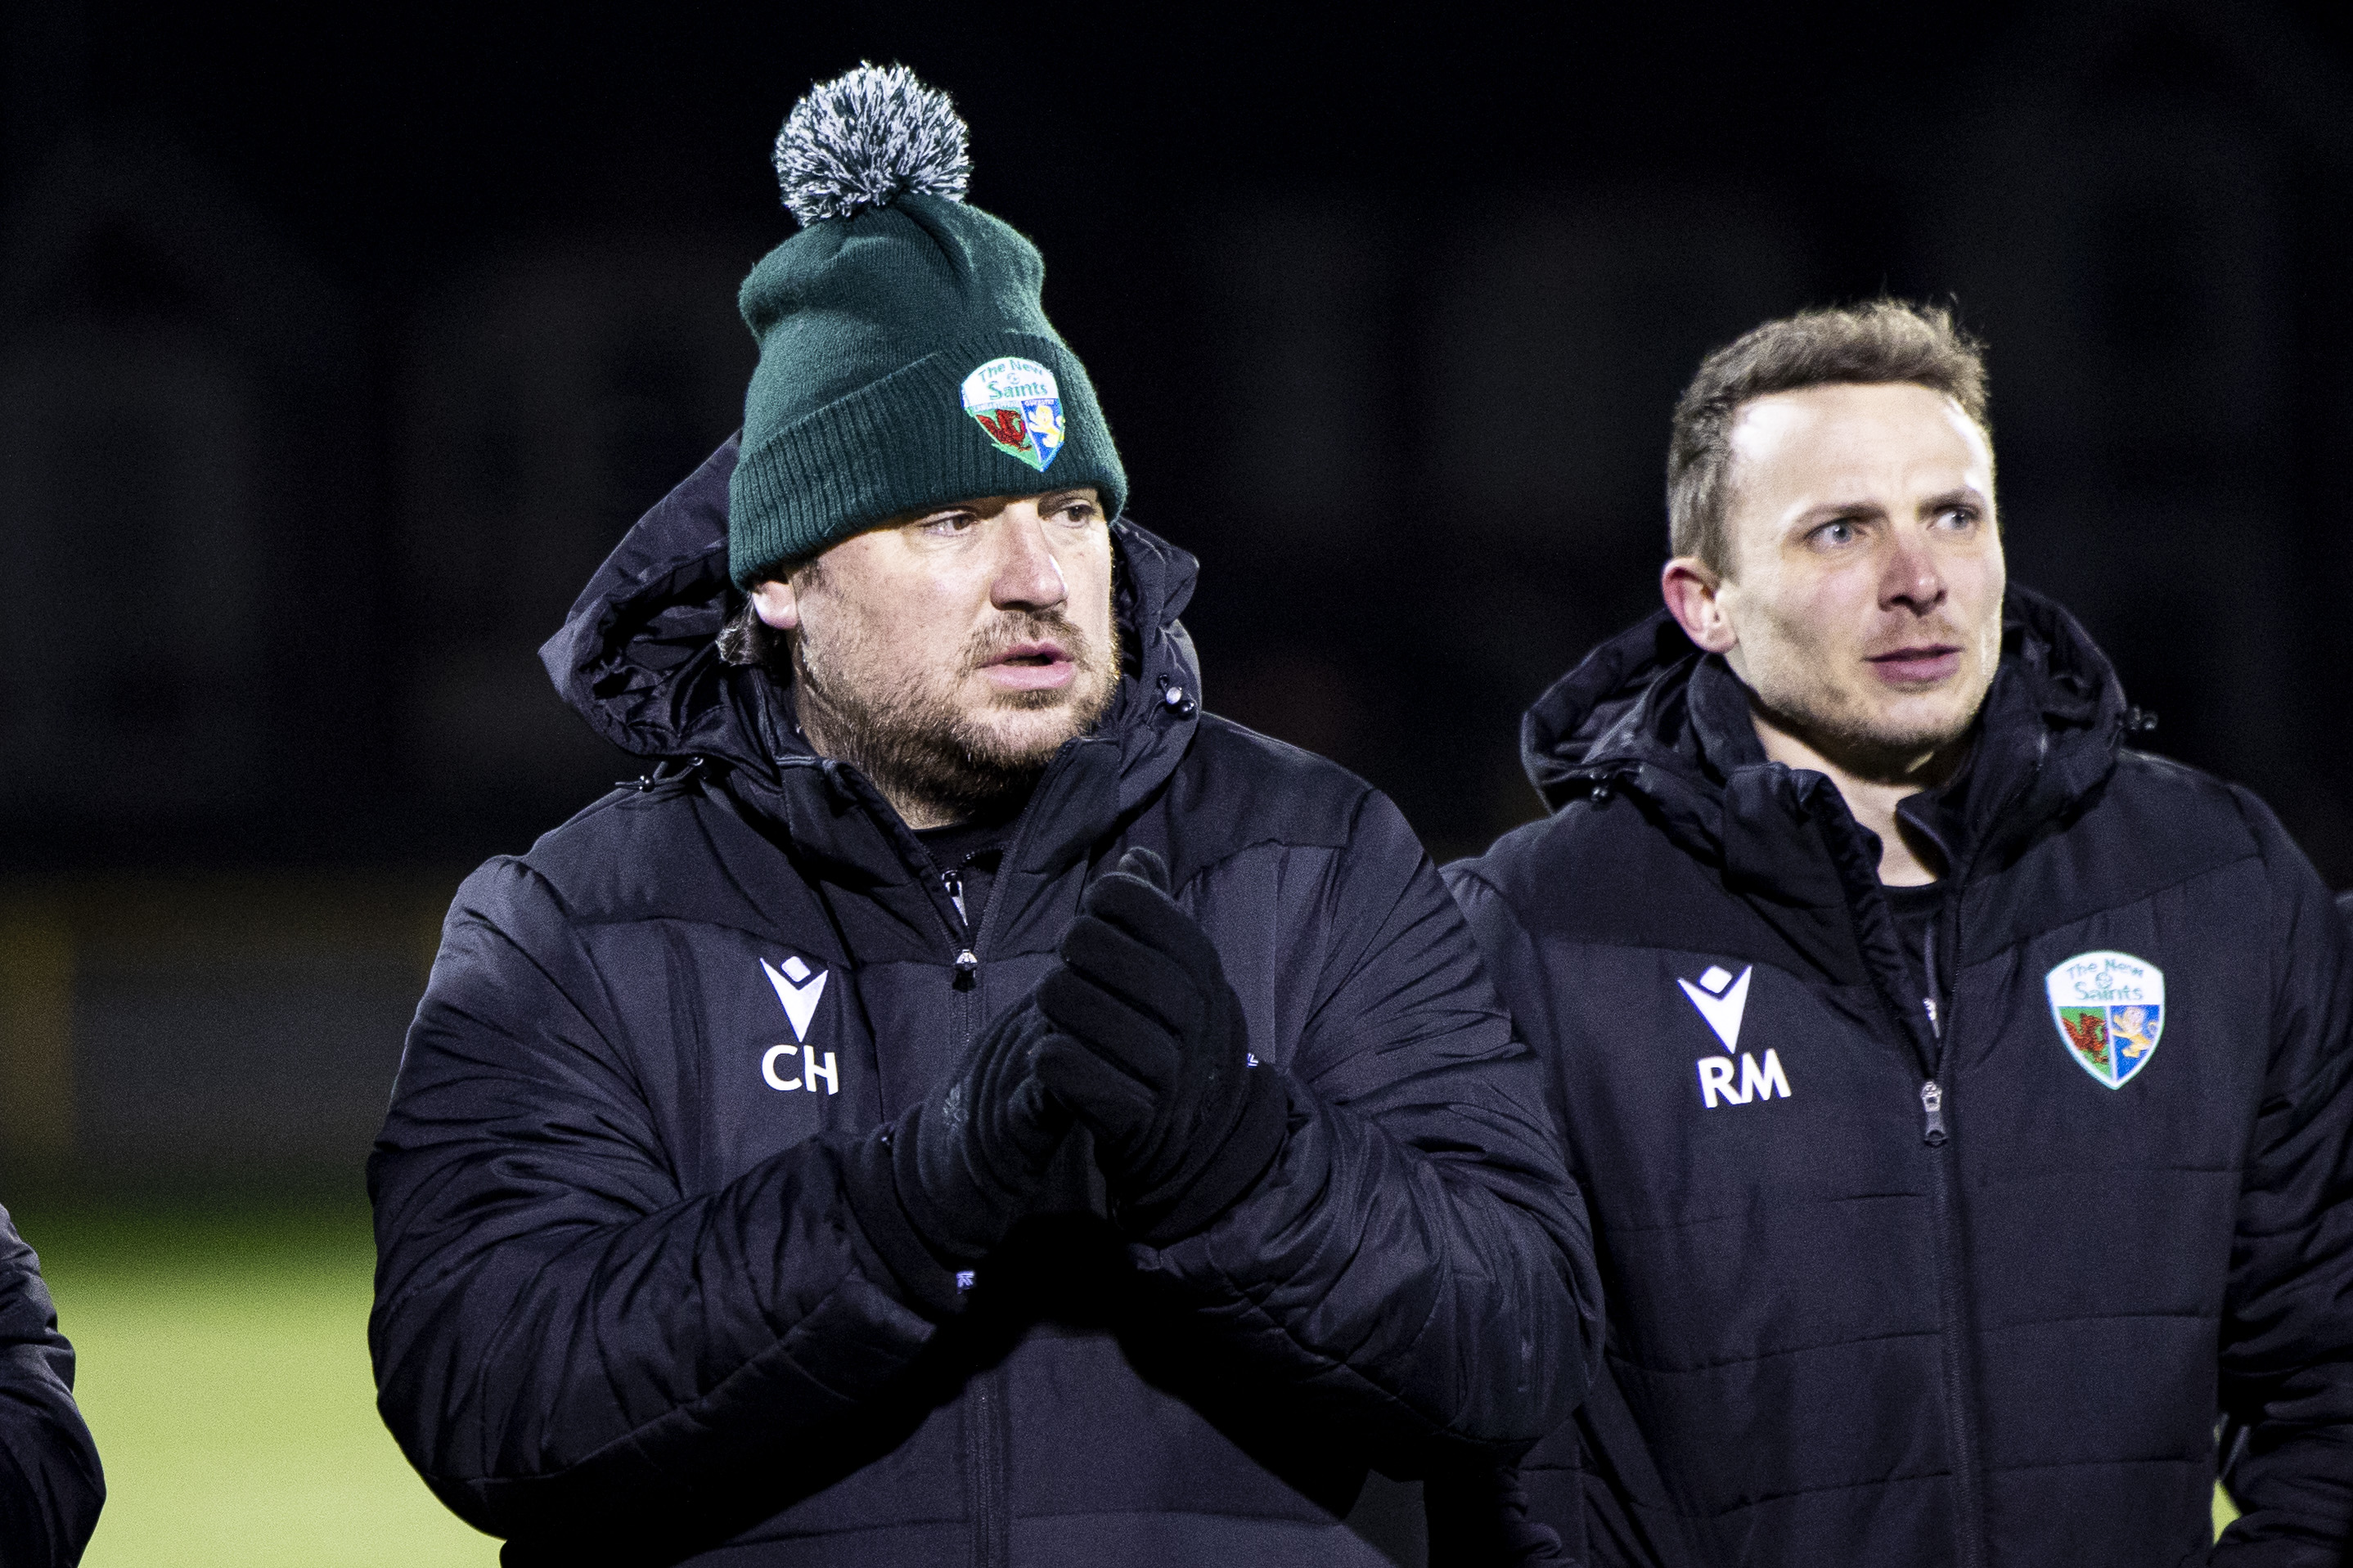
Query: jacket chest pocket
x=2115 y=1042
x=773 y=1049
x=1754 y=1154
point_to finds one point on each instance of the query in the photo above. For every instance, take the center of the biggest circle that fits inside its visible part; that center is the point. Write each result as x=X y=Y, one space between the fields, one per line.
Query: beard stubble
x=918 y=746
x=1792 y=696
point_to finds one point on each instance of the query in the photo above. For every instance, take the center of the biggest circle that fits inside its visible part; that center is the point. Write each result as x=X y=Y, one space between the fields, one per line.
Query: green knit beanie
x=904 y=358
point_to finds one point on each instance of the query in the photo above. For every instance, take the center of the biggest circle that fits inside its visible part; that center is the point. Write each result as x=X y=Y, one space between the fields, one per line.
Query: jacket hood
x=1650 y=711
x=638 y=654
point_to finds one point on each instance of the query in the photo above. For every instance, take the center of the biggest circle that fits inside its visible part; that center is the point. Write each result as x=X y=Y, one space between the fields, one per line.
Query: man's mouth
x=1036 y=665
x=1916 y=664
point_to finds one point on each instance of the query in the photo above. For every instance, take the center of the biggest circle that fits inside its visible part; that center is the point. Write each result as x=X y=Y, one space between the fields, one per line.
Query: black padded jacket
x=50 y=1485
x=1945 y=1256
x=624 y=1307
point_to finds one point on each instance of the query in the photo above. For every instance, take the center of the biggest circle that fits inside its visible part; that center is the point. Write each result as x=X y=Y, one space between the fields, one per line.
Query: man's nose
x=1028 y=576
x=1912 y=578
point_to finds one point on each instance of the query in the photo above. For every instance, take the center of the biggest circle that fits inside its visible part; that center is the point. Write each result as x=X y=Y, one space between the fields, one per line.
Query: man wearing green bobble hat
x=967 y=1103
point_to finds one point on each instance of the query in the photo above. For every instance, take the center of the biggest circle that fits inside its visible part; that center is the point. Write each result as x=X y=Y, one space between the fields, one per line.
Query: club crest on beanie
x=905 y=361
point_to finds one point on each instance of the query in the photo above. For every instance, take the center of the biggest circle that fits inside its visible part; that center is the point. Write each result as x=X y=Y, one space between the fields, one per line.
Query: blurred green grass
x=223 y=1366
x=224 y=1370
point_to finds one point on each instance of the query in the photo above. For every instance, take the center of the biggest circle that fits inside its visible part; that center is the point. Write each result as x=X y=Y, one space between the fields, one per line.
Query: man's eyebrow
x=984 y=505
x=1960 y=495
x=1830 y=508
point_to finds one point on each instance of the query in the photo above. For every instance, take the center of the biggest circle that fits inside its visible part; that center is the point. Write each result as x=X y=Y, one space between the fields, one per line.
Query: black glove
x=1478 y=1516
x=937 y=1190
x=1150 y=1048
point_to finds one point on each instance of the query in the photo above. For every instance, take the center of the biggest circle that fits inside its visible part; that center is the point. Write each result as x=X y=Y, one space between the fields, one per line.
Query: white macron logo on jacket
x=1722 y=1001
x=798 y=990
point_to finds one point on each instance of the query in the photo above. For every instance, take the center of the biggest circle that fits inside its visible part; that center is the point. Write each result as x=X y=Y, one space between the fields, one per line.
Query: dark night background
x=336 y=347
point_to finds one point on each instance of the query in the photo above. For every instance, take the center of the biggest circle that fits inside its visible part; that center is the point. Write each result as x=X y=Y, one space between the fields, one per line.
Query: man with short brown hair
x=1883 y=343
x=1958 y=1094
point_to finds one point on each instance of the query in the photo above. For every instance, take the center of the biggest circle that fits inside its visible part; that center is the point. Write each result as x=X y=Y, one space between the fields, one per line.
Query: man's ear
x=776 y=604
x=1695 y=597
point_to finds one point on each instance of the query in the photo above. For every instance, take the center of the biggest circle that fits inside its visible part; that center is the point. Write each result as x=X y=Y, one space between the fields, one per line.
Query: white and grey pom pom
x=864 y=139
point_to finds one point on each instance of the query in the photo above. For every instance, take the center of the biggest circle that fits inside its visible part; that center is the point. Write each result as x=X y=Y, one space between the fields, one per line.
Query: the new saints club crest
x=1018 y=407
x=2110 y=1009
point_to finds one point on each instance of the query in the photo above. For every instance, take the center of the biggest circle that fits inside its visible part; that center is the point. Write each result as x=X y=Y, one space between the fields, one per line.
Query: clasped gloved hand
x=1478 y=1516
x=1151 y=1050
x=939 y=1189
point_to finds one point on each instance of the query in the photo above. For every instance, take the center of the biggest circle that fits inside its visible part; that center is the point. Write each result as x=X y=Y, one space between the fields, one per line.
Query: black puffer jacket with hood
x=1891 y=1283
x=624 y=1310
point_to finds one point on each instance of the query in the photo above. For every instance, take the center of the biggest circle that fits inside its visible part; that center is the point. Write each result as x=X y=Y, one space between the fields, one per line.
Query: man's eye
x=1957 y=516
x=952 y=522
x=1839 y=532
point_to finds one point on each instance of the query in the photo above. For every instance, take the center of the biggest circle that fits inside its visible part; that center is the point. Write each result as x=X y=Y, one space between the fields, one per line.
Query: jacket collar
x=1649 y=712
x=637 y=656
